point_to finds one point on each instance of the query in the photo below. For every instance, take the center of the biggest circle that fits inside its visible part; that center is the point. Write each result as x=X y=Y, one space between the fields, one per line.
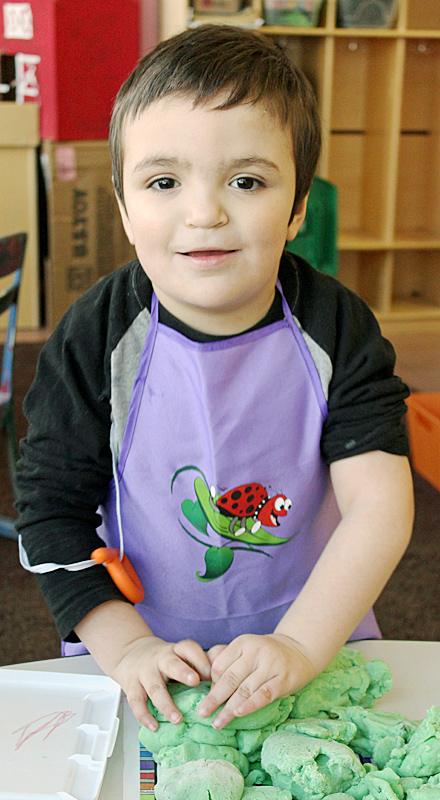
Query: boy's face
x=208 y=196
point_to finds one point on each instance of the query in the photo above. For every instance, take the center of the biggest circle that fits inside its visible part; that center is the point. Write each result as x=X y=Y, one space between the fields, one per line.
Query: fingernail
x=216 y=724
x=152 y=726
x=239 y=712
x=175 y=717
x=202 y=712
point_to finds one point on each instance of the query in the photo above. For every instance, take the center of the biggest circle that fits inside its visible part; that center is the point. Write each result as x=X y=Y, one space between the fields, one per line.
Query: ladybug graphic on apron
x=238 y=514
x=252 y=500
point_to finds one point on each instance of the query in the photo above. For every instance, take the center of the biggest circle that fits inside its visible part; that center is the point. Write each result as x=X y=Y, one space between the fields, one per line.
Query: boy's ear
x=125 y=219
x=298 y=219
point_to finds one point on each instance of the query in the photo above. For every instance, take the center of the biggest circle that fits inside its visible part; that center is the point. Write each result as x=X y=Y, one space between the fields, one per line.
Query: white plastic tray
x=56 y=732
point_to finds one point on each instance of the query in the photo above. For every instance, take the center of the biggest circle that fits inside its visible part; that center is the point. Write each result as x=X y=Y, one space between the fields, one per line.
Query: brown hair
x=210 y=60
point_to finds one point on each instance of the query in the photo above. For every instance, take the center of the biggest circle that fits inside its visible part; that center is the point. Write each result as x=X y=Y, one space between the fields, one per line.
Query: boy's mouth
x=207 y=253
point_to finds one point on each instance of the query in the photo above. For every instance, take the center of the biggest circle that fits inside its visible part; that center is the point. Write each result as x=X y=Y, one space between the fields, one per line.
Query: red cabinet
x=73 y=57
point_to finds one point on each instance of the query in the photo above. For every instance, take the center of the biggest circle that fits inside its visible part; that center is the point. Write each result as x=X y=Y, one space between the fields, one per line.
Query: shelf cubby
x=369 y=274
x=416 y=282
x=423 y=15
x=361 y=133
x=418 y=182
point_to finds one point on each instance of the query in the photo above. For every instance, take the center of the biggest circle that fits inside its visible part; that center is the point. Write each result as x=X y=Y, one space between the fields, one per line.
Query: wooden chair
x=12 y=250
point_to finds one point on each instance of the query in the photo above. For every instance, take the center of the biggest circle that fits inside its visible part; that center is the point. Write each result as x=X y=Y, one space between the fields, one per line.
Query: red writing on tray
x=46 y=724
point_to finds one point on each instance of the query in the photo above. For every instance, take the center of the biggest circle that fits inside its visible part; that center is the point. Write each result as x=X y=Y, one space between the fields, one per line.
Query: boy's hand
x=146 y=665
x=253 y=671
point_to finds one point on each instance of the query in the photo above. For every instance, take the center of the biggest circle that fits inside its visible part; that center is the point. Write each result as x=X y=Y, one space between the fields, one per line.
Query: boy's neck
x=274 y=314
x=217 y=323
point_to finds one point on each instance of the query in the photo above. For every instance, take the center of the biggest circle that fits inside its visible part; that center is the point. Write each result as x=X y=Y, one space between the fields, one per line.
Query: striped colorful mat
x=147 y=773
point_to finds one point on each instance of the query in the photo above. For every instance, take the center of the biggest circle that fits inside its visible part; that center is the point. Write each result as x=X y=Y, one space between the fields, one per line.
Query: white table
x=415 y=667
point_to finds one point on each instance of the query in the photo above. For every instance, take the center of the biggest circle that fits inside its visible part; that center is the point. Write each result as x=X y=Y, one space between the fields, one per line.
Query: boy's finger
x=160 y=698
x=264 y=695
x=138 y=703
x=175 y=668
x=215 y=651
x=224 y=659
x=195 y=657
x=222 y=690
x=249 y=697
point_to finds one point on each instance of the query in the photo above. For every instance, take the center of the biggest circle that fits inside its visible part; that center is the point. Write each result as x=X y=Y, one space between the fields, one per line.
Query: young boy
x=231 y=412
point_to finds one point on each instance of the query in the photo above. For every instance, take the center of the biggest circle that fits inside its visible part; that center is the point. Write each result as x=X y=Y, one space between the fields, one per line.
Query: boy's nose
x=205 y=212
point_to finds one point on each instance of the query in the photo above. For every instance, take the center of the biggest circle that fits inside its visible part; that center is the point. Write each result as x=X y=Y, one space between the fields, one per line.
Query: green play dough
x=380 y=785
x=310 y=768
x=358 y=684
x=372 y=727
x=306 y=745
x=167 y=735
x=272 y=714
x=188 y=698
x=266 y=793
x=192 y=751
x=425 y=792
x=339 y=796
x=250 y=742
x=420 y=757
x=321 y=728
x=257 y=776
x=204 y=735
x=200 y=780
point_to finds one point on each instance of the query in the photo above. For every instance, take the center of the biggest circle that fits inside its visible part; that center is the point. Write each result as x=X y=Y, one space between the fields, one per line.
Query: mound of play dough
x=200 y=780
x=168 y=736
x=320 y=728
x=348 y=680
x=266 y=793
x=420 y=757
x=373 y=727
x=308 y=746
x=187 y=699
x=310 y=768
x=193 y=751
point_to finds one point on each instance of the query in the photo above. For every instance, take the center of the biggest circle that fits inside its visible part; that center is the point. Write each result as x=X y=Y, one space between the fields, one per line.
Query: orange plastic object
x=122 y=572
x=424 y=434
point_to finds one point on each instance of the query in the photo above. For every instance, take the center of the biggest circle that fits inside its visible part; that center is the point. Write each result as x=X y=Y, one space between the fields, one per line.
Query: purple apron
x=225 y=502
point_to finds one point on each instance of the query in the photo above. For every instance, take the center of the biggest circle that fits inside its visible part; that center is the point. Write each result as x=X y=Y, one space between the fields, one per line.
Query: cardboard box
x=86 y=236
x=74 y=56
x=424 y=434
x=19 y=139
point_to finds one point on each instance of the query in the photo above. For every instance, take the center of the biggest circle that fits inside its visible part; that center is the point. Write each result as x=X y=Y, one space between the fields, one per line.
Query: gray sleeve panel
x=321 y=359
x=125 y=360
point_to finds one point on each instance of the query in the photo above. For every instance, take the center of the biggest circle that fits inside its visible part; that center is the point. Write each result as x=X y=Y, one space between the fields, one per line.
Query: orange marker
x=122 y=572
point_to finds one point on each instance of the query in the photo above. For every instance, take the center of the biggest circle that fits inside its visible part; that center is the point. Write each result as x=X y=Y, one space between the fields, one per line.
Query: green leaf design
x=194 y=513
x=220 y=523
x=217 y=560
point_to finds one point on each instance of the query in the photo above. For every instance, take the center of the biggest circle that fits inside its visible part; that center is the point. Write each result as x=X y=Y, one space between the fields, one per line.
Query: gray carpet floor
x=409 y=607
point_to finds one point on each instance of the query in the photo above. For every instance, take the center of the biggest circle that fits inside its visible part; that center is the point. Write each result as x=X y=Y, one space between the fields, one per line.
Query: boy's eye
x=162 y=184
x=246 y=183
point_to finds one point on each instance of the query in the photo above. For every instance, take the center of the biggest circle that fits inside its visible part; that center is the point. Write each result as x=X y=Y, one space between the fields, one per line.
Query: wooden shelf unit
x=379 y=97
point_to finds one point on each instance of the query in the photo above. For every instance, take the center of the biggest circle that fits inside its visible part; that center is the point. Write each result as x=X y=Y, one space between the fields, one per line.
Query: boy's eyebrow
x=254 y=161
x=159 y=161
x=171 y=162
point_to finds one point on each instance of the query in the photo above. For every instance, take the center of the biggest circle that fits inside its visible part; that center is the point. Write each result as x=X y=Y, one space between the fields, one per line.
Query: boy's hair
x=210 y=60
